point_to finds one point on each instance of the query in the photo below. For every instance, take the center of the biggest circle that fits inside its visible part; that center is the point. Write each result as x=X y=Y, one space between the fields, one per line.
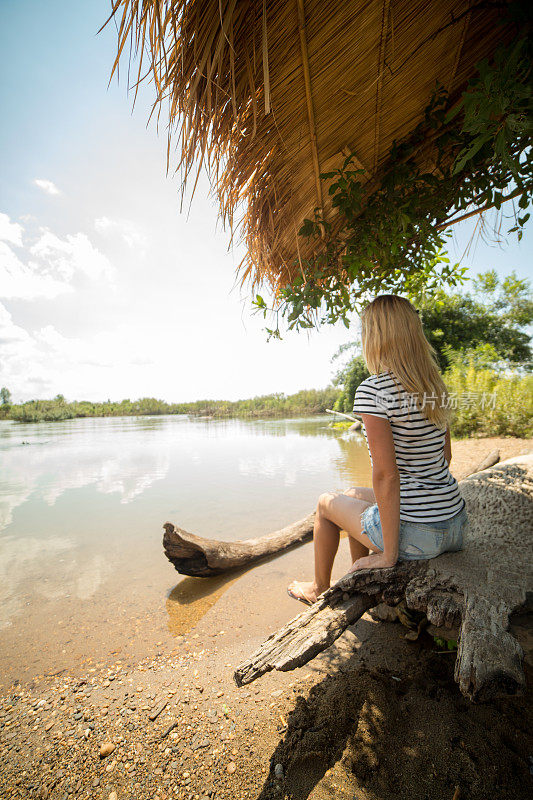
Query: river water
x=83 y=574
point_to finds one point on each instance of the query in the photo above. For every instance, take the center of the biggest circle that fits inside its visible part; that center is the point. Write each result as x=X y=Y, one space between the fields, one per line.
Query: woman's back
x=428 y=491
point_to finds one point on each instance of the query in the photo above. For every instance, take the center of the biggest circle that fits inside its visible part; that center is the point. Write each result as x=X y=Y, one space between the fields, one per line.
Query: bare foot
x=305 y=590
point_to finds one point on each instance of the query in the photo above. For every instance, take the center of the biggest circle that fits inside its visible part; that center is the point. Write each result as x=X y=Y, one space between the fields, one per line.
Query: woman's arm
x=447 y=446
x=386 y=485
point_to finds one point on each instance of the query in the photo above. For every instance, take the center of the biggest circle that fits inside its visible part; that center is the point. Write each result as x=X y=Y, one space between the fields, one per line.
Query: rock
x=278 y=771
x=156 y=712
x=231 y=767
x=113 y=796
x=106 y=749
x=198 y=743
x=383 y=612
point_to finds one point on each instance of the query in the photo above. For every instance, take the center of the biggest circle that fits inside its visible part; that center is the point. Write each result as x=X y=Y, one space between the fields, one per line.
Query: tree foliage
x=488 y=401
x=495 y=313
x=305 y=402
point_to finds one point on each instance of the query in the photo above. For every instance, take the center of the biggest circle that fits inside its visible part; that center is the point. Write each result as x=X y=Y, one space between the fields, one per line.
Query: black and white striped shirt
x=428 y=490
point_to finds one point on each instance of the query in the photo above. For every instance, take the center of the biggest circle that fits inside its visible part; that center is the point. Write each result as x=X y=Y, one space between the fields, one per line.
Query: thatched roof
x=271 y=93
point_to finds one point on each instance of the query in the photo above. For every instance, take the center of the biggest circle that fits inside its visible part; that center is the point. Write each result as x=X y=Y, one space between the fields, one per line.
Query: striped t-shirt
x=428 y=490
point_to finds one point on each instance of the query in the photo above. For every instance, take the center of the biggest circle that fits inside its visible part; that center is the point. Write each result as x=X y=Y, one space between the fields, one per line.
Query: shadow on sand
x=401 y=733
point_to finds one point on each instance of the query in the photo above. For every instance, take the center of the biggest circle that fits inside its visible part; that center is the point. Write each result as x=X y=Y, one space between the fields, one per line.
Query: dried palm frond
x=271 y=93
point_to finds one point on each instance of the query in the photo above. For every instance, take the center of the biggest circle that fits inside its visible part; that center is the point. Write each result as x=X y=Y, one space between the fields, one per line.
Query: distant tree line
x=305 y=402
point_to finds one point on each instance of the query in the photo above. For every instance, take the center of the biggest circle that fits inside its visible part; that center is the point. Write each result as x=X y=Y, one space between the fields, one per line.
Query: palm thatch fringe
x=271 y=93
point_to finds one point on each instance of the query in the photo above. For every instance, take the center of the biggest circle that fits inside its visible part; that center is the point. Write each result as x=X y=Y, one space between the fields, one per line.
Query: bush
x=487 y=398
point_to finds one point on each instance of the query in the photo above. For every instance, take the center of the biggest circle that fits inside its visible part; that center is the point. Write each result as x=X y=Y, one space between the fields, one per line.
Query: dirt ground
x=374 y=717
x=468 y=453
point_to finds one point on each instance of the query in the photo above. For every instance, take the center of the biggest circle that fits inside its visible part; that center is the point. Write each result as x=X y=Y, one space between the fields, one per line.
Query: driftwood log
x=194 y=555
x=200 y=557
x=489 y=461
x=474 y=590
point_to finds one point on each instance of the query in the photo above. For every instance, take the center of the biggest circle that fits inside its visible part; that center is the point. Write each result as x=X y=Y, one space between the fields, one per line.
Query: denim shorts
x=419 y=540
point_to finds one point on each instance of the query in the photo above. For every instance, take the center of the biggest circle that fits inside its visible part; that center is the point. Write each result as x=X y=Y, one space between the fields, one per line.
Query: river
x=83 y=575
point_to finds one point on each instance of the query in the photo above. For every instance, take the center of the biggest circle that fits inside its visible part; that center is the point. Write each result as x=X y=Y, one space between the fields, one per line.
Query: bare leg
x=335 y=511
x=357 y=548
x=326 y=536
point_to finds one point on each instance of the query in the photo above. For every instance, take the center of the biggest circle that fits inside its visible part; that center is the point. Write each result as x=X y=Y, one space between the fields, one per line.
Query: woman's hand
x=374 y=561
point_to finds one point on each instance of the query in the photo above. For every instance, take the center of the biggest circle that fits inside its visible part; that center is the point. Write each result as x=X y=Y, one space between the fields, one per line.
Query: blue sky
x=106 y=290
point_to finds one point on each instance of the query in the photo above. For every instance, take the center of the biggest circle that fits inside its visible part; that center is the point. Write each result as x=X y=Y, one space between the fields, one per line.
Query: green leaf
x=470 y=153
x=452 y=113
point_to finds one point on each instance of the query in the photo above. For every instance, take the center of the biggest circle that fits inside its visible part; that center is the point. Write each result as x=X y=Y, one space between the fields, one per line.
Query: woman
x=415 y=509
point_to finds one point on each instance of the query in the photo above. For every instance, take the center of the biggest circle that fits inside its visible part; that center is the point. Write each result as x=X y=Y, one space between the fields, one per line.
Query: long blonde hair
x=393 y=341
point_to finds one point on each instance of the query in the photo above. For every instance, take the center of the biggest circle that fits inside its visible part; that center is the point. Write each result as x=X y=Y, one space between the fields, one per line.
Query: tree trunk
x=474 y=590
x=194 y=555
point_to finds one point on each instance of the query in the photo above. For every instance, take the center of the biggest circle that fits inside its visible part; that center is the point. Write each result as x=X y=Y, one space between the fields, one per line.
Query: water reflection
x=45 y=468
x=18 y=556
x=82 y=503
x=191 y=598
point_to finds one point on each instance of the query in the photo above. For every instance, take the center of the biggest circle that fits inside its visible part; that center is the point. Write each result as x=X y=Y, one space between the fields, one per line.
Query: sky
x=106 y=289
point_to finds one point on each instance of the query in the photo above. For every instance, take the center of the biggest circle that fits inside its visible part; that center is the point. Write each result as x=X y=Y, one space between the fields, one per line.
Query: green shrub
x=488 y=398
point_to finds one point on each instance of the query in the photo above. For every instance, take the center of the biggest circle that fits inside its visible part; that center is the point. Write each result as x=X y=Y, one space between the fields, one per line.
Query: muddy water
x=83 y=576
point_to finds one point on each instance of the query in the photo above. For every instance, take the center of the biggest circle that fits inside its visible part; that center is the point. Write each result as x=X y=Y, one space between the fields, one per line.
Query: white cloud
x=19 y=280
x=71 y=255
x=10 y=231
x=47 y=186
x=50 y=265
x=46 y=362
x=126 y=229
x=9 y=332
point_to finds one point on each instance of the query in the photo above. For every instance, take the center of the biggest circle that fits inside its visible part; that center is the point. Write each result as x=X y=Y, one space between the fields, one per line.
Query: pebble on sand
x=106 y=749
x=231 y=767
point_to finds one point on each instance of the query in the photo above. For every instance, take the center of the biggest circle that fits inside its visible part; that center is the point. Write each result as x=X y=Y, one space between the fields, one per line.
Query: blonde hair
x=393 y=341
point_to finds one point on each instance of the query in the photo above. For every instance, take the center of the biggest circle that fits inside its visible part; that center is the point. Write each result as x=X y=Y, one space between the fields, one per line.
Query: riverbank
x=306 y=402
x=375 y=716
